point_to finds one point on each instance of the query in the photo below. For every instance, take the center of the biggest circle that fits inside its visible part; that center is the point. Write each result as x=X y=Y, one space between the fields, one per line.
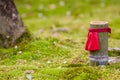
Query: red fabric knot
x=92 y=43
x=100 y=30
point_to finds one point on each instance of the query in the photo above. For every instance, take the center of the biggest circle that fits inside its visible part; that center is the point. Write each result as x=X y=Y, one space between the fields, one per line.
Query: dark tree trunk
x=11 y=25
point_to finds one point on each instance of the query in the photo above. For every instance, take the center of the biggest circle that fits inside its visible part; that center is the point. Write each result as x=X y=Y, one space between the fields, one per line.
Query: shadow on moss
x=25 y=38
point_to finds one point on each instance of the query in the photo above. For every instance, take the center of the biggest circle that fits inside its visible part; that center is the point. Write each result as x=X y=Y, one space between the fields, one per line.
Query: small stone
x=16 y=47
x=19 y=52
x=61 y=3
x=7 y=37
x=55 y=34
x=54 y=42
x=29 y=71
x=102 y=66
x=68 y=13
x=29 y=76
x=52 y=6
x=65 y=62
x=59 y=67
x=114 y=60
x=48 y=62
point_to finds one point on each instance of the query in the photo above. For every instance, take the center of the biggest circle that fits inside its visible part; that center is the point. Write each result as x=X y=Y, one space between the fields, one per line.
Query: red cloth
x=92 y=43
x=100 y=30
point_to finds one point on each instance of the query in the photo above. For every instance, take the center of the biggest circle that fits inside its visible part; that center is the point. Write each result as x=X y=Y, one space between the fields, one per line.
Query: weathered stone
x=100 y=57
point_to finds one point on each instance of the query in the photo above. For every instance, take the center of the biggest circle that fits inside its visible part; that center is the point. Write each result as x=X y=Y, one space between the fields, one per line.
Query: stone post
x=100 y=57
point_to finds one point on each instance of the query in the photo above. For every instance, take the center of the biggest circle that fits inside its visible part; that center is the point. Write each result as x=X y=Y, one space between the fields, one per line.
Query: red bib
x=92 y=43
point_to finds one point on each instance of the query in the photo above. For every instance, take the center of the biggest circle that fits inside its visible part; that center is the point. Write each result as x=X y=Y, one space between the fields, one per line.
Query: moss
x=114 y=53
x=82 y=73
x=25 y=38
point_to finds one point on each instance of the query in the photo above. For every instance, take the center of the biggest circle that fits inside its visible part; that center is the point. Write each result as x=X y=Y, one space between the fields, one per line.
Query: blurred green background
x=75 y=13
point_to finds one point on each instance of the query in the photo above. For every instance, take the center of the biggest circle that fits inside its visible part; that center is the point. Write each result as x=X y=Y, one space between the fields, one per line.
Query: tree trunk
x=11 y=25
